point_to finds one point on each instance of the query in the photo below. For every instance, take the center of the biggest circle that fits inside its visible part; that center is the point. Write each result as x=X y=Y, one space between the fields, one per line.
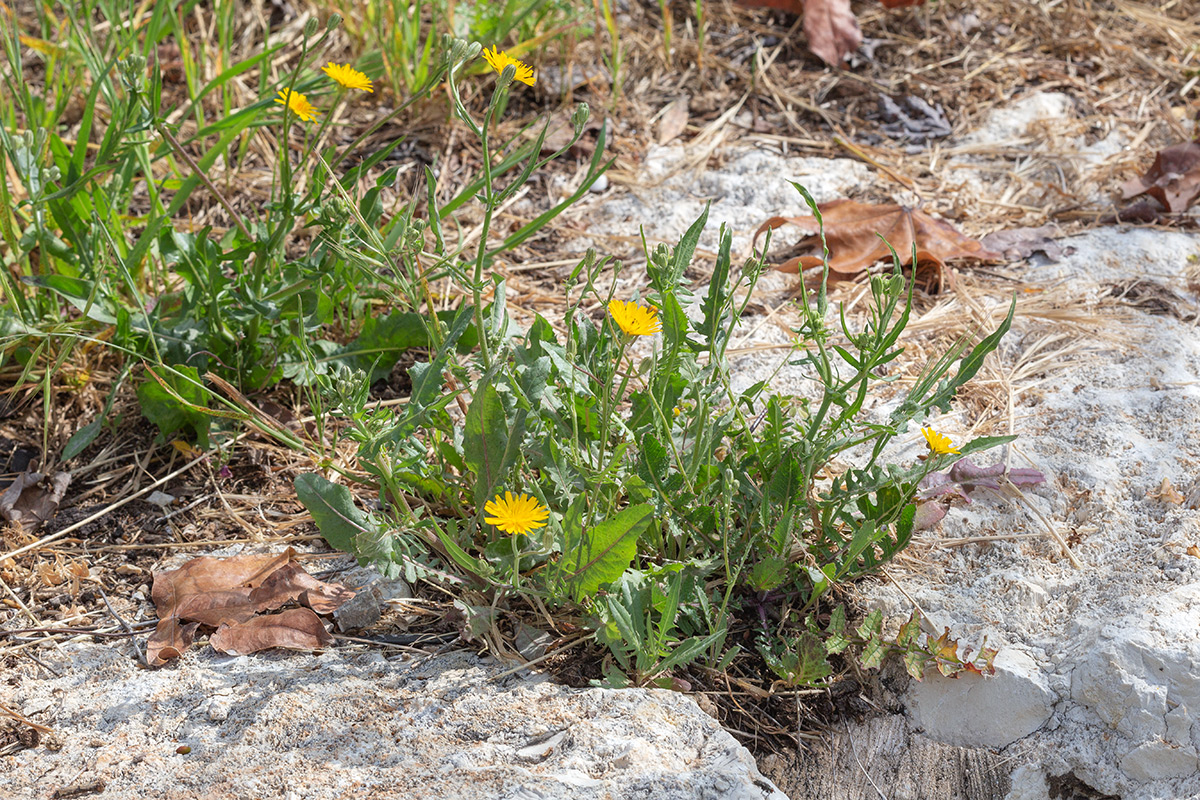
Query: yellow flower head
x=298 y=104
x=515 y=514
x=634 y=319
x=348 y=77
x=498 y=60
x=939 y=443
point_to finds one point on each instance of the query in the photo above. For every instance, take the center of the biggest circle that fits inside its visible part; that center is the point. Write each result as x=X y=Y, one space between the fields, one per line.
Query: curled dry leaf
x=1173 y=179
x=32 y=498
x=290 y=583
x=169 y=640
x=295 y=629
x=852 y=231
x=230 y=592
x=206 y=575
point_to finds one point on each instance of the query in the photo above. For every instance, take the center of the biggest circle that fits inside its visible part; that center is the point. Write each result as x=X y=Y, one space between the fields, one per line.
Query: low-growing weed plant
x=599 y=465
x=604 y=467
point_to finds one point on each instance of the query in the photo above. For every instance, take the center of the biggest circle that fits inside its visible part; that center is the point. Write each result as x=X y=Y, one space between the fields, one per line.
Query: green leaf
x=176 y=400
x=382 y=341
x=835 y=632
x=80 y=440
x=485 y=441
x=688 y=651
x=332 y=508
x=714 y=306
x=874 y=647
x=768 y=574
x=599 y=555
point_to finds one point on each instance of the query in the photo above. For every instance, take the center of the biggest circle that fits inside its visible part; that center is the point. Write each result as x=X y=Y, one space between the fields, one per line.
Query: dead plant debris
x=853 y=231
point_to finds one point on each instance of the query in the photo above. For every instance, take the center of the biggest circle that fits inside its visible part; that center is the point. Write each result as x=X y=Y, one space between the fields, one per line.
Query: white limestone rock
x=349 y=722
x=973 y=711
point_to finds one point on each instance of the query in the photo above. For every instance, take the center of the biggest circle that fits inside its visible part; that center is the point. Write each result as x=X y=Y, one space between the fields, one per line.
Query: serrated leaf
x=873 y=652
x=835 y=632
x=914 y=663
x=909 y=631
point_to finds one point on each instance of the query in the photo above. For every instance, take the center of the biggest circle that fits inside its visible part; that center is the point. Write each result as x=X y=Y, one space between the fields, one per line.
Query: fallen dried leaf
x=30 y=501
x=295 y=629
x=852 y=231
x=169 y=641
x=1019 y=243
x=291 y=583
x=229 y=593
x=832 y=29
x=1173 y=179
x=1167 y=493
x=206 y=575
x=674 y=119
x=1193 y=551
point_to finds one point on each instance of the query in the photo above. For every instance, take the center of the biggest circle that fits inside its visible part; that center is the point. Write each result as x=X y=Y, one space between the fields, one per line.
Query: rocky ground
x=1096 y=686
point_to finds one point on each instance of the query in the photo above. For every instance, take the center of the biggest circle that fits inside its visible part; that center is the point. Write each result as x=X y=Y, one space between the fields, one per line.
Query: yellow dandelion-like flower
x=634 y=319
x=939 y=443
x=348 y=77
x=298 y=104
x=498 y=60
x=515 y=514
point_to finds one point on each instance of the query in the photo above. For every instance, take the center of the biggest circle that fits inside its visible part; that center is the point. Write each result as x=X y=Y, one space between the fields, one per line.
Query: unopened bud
x=334 y=21
x=580 y=117
x=310 y=28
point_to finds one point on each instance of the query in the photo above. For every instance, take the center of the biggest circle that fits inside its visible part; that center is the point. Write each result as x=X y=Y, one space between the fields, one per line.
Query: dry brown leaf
x=169 y=641
x=674 y=119
x=295 y=629
x=206 y=575
x=1173 y=179
x=832 y=29
x=1193 y=551
x=1167 y=493
x=291 y=583
x=32 y=498
x=1018 y=243
x=852 y=232
x=230 y=594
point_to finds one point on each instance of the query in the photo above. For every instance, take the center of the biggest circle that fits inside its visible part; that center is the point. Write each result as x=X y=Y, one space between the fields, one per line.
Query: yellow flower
x=634 y=319
x=498 y=60
x=298 y=104
x=515 y=514
x=348 y=77
x=939 y=443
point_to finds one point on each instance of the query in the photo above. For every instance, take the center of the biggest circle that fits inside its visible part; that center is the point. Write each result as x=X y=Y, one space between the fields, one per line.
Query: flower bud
x=334 y=21
x=580 y=117
x=310 y=28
